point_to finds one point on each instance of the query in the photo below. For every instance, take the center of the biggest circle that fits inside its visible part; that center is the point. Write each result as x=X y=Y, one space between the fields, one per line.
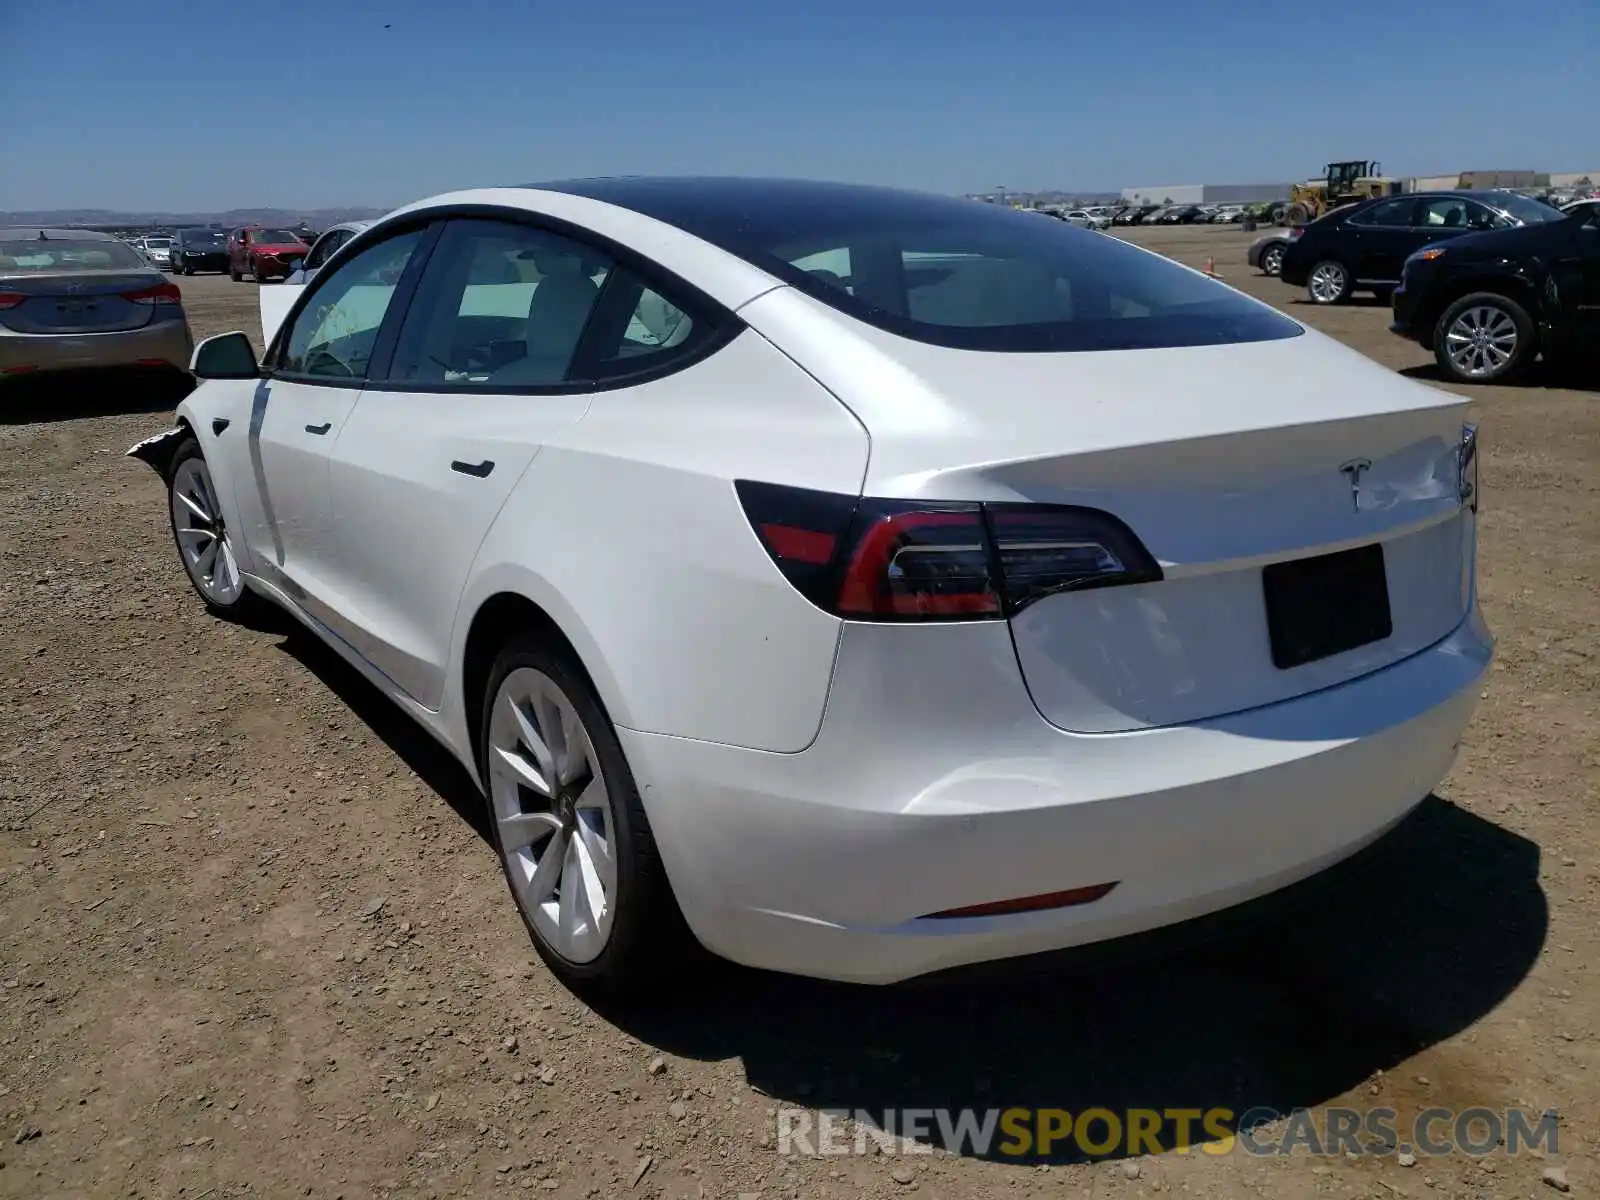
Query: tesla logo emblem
x=1353 y=470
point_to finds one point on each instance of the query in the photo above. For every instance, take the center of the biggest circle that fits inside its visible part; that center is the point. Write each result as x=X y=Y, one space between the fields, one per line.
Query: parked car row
x=1488 y=281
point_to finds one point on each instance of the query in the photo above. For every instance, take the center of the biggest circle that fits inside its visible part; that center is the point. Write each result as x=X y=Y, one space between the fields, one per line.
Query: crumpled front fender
x=158 y=451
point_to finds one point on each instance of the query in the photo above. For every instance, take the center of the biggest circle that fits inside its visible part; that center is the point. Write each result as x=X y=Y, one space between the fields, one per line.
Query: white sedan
x=853 y=582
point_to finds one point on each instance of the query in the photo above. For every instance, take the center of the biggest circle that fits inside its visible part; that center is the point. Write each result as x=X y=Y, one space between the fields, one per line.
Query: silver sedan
x=72 y=299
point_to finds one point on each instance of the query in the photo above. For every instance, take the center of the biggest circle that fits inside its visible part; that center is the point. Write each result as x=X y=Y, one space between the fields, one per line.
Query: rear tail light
x=1296 y=232
x=896 y=560
x=11 y=299
x=162 y=293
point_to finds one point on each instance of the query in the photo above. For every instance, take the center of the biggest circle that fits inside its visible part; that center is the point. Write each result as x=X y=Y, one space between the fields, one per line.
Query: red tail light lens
x=895 y=560
x=11 y=299
x=1296 y=232
x=162 y=293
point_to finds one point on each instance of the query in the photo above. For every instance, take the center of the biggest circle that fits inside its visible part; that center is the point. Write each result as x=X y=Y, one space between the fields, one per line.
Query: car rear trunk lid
x=1226 y=461
x=78 y=302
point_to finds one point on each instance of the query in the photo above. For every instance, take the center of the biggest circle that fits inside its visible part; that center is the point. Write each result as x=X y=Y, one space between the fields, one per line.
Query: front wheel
x=1329 y=283
x=1484 y=338
x=233 y=274
x=570 y=828
x=201 y=533
x=1272 y=259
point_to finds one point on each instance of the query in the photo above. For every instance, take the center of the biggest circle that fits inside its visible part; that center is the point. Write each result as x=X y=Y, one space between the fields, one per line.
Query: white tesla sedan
x=854 y=581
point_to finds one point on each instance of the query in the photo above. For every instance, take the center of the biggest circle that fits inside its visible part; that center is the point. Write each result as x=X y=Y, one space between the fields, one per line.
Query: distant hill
x=317 y=218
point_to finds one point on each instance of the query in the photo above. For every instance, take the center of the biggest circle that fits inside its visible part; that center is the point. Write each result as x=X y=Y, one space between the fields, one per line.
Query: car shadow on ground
x=1360 y=300
x=431 y=762
x=1577 y=377
x=1283 y=1004
x=27 y=400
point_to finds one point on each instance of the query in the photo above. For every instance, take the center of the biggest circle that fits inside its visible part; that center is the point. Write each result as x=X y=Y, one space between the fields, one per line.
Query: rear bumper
x=161 y=342
x=919 y=797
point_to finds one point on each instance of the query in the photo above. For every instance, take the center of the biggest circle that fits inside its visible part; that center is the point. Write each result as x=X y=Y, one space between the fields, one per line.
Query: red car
x=264 y=254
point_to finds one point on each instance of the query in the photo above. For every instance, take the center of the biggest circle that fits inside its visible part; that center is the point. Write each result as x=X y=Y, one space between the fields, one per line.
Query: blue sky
x=206 y=104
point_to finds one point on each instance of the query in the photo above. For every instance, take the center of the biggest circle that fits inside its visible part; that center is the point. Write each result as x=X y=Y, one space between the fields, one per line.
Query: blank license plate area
x=1319 y=607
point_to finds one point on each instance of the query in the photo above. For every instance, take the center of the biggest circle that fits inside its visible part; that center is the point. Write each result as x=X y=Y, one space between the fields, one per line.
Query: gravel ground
x=253 y=941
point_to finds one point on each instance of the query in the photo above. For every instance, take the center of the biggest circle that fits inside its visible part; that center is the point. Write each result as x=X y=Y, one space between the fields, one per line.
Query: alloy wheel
x=1481 y=341
x=202 y=535
x=1327 y=283
x=553 y=814
x=1272 y=260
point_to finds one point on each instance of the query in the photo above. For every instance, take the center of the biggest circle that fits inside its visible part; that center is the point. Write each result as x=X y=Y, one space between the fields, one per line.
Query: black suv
x=1488 y=304
x=199 y=250
x=1362 y=247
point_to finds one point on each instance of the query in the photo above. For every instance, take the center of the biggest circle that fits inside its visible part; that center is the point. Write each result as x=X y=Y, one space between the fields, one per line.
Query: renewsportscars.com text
x=1103 y=1133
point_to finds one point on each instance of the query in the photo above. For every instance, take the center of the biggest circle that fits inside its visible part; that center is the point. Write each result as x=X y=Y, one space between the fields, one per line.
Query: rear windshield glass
x=56 y=255
x=953 y=272
x=203 y=237
x=273 y=237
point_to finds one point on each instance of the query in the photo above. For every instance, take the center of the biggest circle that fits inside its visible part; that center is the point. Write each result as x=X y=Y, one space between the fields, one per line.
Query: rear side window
x=967 y=275
x=501 y=305
x=1387 y=214
x=504 y=306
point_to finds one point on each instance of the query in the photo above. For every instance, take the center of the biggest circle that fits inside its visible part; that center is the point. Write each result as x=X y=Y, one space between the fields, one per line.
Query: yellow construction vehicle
x=1343 y=183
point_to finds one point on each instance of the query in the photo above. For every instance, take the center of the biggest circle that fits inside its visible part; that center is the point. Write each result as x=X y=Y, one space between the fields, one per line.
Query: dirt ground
x=253 y=941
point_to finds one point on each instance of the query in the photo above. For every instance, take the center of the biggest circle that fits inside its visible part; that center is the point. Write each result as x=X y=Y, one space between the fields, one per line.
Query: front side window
x=323 y=250
x=501 y=305
x=1453 y=212
x=333 y=335
x=954 y=273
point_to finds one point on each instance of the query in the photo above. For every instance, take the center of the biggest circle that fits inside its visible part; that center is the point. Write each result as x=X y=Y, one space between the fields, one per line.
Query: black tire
x=234 y=275
x=1323 y=295
x=1521 y=355
x=246 y=604
x=188 y=270
x=255 y=274
x=1272 y=259
x=649 y=941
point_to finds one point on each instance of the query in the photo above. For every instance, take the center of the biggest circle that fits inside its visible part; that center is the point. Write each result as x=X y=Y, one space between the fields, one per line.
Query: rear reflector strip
x=1026 y=904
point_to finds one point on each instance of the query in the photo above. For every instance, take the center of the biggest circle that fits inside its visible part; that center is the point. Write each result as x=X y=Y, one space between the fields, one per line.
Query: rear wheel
x=1328 y=283
x=1484 y=338
x=570 y=828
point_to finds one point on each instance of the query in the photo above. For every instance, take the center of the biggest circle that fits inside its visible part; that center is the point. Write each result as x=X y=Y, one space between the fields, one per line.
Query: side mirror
x=226 y=356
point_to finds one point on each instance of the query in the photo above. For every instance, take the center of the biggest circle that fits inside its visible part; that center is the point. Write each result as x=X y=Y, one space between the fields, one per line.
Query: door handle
x=476 y=470
x=320 y=429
